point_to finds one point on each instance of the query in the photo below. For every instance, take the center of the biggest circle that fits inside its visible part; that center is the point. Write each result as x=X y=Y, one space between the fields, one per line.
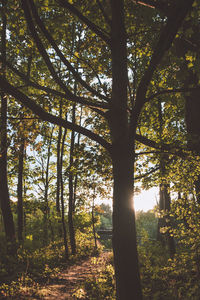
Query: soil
x=63 y=286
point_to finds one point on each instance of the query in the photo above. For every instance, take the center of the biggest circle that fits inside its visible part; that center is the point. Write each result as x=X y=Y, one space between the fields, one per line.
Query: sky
x=146 y=200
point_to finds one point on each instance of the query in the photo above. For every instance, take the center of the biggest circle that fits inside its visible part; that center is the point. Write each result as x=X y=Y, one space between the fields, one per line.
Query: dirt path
x=66 y=283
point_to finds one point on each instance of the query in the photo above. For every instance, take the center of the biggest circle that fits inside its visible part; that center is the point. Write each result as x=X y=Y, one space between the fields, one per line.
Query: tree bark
x=124 y=231
x=4 y=193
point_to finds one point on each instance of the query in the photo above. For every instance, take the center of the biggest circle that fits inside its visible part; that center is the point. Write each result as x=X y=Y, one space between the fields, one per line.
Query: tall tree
x=4 y=193
x=62 y=197
x=20 y=211
x=71 y=187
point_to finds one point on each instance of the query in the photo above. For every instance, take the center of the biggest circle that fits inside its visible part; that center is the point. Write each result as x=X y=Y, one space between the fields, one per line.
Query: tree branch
x=148 y=173
x=147 y=142
x=170 y=149
x=174 y=21
x=91 y=25
x=171 y=91
x=45 y=116
x=45 y=56
x=60 y=54
x=48 y=90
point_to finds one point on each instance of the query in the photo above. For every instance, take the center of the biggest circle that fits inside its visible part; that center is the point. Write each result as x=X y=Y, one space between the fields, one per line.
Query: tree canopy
x=117 y=82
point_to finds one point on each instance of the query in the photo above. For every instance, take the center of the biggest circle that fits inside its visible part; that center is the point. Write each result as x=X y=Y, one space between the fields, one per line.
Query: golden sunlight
x=146 y=200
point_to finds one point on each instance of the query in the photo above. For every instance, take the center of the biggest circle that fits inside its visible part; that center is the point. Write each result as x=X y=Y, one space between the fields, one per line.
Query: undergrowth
x=22 y=275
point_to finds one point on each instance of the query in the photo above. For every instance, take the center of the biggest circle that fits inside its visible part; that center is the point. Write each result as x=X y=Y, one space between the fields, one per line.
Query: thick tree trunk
x=124 y=231
x=20 y=213
x=4 y=193
x=192 y=108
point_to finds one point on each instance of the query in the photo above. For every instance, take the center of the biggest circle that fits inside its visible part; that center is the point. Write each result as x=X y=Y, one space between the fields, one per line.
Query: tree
x=20 y=211
x=111 y=101
x=4 y=192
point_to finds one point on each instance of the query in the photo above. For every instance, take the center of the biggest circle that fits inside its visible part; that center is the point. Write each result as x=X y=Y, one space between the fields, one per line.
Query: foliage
x=147 y=221
x=177 y=278
x=23 y=274
x=105 y=213
x=101 y=285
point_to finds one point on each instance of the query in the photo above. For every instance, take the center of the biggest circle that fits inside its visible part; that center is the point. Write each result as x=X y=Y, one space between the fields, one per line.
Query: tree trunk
x=165 y=200
x=4 y=193
x=161 y=223
x=58 y=188
x=93 y=222
x=124 y=231
x=58 y=165
x=20 y=213
x=170 y=239
x=165 y=203
x=192 y=108
x=71 y=190
x=76 y=176
x=58 y=171
x=62 y=199
x=47 y=221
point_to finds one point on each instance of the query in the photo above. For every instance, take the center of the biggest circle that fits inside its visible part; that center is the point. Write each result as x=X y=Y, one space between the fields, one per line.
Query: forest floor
x=65 y=283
